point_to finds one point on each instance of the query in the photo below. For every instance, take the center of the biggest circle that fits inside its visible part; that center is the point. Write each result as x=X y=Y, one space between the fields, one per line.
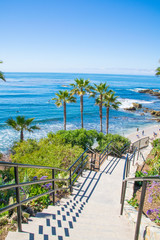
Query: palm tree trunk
x=64 y=105
x=107 y=119
x=100 y=112
x=21 y=136
x=81 y=111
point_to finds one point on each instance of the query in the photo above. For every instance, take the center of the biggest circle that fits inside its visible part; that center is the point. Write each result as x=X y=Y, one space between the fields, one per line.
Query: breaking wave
x=126 y=102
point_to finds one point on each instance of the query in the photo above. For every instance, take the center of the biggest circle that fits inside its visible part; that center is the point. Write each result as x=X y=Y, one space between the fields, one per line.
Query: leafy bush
x=80 y=137
x=118 y=142
x=153 y=187
x=139 y=174
x=52 y=154
x=133 y=202
x=6 y=176
x=2 y=205
x=154 y=162
x=156 y=142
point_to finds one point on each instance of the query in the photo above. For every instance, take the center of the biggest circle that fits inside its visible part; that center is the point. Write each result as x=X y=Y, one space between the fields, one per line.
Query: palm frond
x=20 y=120
x=2 y=76
x=81 y=87
x=110 y=100
x=97 y=101
x=12 y=123
x=158 y=71
x=29 y=121
x=101 y=88
x=34 y=128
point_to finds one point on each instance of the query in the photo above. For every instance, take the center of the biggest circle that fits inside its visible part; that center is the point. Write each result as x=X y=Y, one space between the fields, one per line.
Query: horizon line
x=125 y=74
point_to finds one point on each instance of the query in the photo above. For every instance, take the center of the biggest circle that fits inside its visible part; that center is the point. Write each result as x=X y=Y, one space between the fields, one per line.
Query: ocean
x=30 y=94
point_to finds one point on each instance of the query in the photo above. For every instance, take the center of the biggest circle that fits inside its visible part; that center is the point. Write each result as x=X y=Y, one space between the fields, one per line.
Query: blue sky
x=89 y=36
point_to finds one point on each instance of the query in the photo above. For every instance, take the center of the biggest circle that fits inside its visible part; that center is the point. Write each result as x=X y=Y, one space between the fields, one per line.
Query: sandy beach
x=148 y=132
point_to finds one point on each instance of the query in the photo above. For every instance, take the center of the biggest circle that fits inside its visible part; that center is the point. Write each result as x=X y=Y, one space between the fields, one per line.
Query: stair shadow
x=62 y=219
x=60 y=222
x=85 y=194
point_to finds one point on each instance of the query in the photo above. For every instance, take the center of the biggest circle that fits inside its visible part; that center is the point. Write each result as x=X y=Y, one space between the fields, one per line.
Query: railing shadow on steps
x=127 y=179
x=111 y=149
x=73 y=172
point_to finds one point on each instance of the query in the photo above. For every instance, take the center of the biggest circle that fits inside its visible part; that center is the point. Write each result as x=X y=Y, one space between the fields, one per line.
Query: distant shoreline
x=148 y=132
x=29 y=95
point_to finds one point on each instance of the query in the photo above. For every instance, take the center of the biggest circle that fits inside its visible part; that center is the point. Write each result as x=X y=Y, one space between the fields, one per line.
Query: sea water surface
x=30 y=94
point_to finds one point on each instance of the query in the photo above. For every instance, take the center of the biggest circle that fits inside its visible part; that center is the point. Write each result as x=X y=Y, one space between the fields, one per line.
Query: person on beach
x=154 y=134
x=143 y=133
x=137 y=129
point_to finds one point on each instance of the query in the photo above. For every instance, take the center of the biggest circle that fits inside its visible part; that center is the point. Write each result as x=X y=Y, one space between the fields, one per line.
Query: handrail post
x=123 y=196
x=126 y=173
x=134 y=157
x=122 y=192
x=129 y=165
x=70 y=180
x=81 y=164
x=144 y=186
x=99 y=162
x=91 y=166
x=53 y=186
x=95 y=158
x=138 y=150
x=19 y=212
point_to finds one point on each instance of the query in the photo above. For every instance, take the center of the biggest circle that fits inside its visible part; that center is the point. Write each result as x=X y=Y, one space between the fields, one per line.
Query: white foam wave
x=127 y=103
x=136 y=89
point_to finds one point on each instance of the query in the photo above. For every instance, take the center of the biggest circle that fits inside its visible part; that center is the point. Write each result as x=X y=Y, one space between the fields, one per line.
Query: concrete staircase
x=90 y=213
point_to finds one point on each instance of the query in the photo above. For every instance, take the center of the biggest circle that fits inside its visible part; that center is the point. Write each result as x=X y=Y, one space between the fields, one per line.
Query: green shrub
x=80 y=137
x=2 y=205
x=52 y=154
x=6 y=176
x=156 y=142
x=118 y=142
x=133 y=202
x=139 y=174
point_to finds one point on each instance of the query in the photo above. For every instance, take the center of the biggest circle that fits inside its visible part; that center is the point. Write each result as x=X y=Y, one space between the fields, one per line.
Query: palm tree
x=110 y=101
x=100 y=89
x=2 y=75
x=158 y=71
x=21 y=124
x=81 y=87
x=64 y=97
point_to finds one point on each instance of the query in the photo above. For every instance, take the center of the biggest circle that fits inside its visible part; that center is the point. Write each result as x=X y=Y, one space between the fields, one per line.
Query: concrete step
x=96 y=234
x=90 y=213
x=17 y=236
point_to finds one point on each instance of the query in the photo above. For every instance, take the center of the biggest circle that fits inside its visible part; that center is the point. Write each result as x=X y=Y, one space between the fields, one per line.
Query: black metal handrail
x=93 y=158
x=112 y=149
x=77 y=168
x=9 y=164
x=126 y=172
x=138 y=143
x=105 y=148
x=17 y=185
x=125 y=147
x=143 y=193
x=9 y=186
x=103 y=154
x=77 y=160
x=128 y=163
